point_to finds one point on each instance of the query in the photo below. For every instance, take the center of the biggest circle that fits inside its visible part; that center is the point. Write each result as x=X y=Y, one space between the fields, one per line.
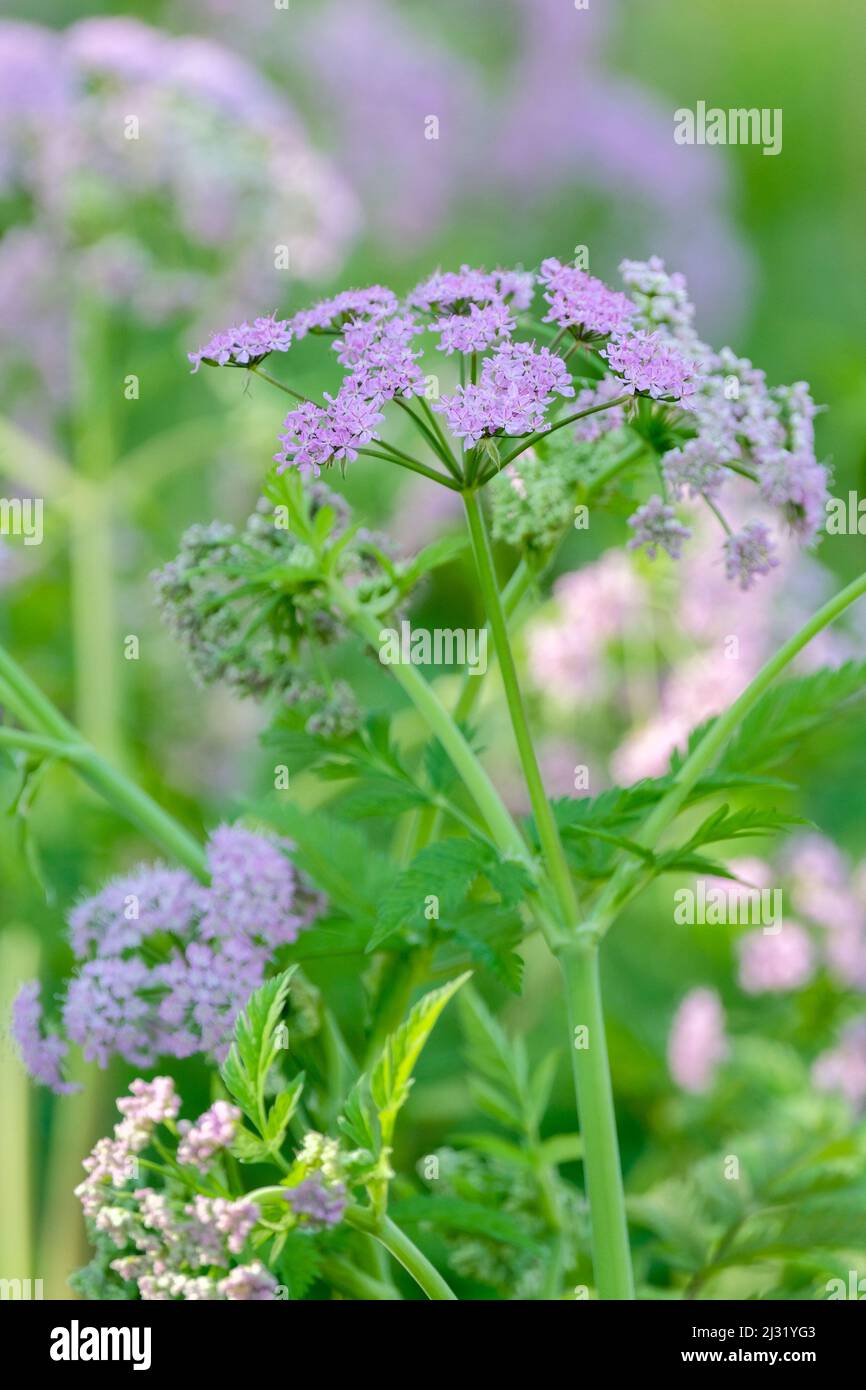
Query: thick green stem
x=56 y=737
x=611 y=1257
x=610 y=1248
x=548 y=834
x=96 y=644
x=398 y=1244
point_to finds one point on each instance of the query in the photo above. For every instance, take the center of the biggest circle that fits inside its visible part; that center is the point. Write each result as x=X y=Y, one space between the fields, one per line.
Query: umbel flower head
x=164 y=173
x=179 y=1240
x=163 y=963
x=248 y=604
x=539 y=353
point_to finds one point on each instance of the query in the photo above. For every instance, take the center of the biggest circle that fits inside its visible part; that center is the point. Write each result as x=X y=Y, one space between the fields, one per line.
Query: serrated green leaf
x=446 y=870
x=391 y=1076
x=298 y=1265
x=338 y=857
x=382 y=796
x=786 y=714
x=282 y=1109
x=248 y=1149
x=256 y=1046
x=359 y=1120
x=470 y=1218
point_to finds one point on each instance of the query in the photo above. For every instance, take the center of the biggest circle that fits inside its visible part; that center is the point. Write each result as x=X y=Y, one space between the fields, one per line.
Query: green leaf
x=282 y=1109
x=496 y=1104
x=490 y=1053
x=446 y=870
x=382 y=796
x=299 y=1263
x=391 y=1076
x=496 y=1147
x=470 y=1218
x=725 y=824
x=437 y=553
x=248 y=1149
x=256 y=1047
x=337 y=857
x=561 y=1148
x=488 y=935
x=359 y=1120
x=541 y=1085
x=786 y=714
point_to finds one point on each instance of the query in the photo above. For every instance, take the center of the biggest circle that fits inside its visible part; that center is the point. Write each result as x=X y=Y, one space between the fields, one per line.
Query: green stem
x=558 y=425
x=430 y=437
x=548 y=834
x=272 y=381
x=414 y=465
x=610 y=1248
x=405 y=1252
x=435 y=425
x=611 y=1256
x=502 y=828
x=96 y=644
x=37 y=711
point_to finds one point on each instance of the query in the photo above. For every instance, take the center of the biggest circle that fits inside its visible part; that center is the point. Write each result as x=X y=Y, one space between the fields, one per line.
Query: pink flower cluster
x=578 y=300
x=831 y=900
x=171 y=1248
x=164 y=963
x=518 y=383
x=717 y=413
x=213 y=1130
x=245 y=345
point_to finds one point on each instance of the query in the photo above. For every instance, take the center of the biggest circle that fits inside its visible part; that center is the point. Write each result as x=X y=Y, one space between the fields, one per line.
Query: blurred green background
x=791 y=295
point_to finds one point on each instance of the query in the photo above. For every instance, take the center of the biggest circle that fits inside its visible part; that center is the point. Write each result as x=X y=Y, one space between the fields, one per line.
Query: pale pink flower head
x=697 y=1043
x=842 y=1069
x=774 y=963
x=646 y=751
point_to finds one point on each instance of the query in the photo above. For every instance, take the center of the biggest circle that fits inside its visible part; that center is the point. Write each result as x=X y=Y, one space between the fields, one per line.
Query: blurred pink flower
x=776 y=962
x=697 y=1042
x=843 y=1068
